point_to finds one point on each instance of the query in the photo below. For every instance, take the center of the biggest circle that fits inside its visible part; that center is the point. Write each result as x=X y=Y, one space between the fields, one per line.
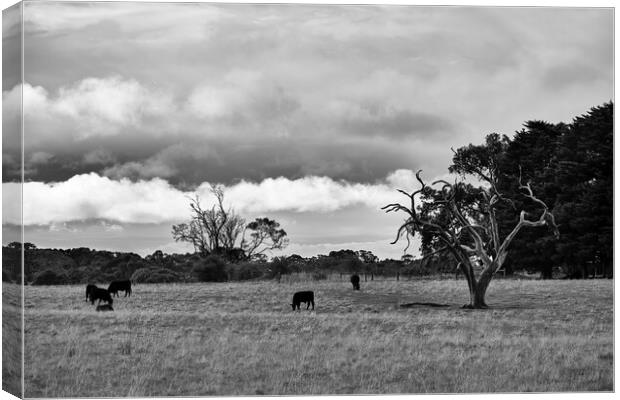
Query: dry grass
x=11 y=339
x=243 y=339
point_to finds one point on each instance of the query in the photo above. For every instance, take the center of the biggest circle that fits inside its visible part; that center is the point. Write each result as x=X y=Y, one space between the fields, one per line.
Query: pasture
x=244 y=339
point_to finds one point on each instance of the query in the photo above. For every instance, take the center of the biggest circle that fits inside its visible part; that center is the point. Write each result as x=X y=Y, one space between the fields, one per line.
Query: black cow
x=355 y=280
x=105 y=307
x=89 y=288
x=117 y=286
x=303 y=297
x=100 y=294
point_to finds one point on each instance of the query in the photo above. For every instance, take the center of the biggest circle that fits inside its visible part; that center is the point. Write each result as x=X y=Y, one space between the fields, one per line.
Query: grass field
x=243 y=339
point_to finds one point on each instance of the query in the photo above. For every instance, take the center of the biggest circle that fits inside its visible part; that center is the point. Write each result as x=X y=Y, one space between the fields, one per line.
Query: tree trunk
x=478 y=289
x=547 y=271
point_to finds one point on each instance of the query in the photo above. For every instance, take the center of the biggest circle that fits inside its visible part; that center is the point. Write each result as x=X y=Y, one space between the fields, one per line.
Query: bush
x=245 y=271
x=279 y=266
x=49 y=277
x=154 y=275
x=75 y=276
x=419 y=269
x=210 y=269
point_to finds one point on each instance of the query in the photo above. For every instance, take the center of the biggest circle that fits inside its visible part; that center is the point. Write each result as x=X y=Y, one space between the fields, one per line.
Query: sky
x=312 y=115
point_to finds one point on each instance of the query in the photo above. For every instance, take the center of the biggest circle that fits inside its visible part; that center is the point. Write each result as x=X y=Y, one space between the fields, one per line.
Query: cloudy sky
x=312 y=115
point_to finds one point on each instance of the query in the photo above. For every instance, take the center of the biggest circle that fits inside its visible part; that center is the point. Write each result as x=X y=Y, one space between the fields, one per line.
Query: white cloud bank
x=91 y=196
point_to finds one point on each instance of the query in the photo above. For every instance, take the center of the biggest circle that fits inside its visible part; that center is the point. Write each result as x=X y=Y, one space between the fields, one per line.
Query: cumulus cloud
x=95 y=197
x=113 y=100
x=242 y=96
x=93 y=106
x=310 y=193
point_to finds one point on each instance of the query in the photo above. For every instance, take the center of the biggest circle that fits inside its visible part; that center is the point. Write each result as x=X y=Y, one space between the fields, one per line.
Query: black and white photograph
x=243 y=199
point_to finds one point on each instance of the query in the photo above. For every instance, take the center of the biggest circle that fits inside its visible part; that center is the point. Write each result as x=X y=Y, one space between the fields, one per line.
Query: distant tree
x=220 y=231
x=279 y=266
x=18 y=245
x=259 y=258
x=156 y=258
x=367 y=257
x=296 y=263
x=265 y=235
x=343 y=254
x=295 y=258
x=213 y=230
x=407 y=258
x=462 y=219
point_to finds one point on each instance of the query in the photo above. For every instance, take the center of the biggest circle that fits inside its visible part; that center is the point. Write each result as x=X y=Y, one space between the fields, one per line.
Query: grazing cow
x=100 y=294
x=117 y=286
x=89 y=288
x=105 y=307
x=355 y=280
x=303 y=297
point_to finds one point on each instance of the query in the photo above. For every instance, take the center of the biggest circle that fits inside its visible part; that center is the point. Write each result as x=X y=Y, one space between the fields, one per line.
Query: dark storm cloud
x=228 y=162
x=11 y=47
x=196 y=92
x=11 y=77
x=376 y=120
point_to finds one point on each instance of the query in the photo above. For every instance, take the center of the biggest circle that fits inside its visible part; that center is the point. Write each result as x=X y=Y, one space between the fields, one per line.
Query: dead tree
x=466 y=231
x=218 y=230
x=213 y=230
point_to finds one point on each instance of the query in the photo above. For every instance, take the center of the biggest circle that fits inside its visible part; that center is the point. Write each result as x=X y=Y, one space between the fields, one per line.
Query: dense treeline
x=570 y=168
x=84 y=265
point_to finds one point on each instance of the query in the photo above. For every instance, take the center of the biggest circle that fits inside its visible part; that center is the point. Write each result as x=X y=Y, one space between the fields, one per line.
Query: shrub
x=419 y=269
x=249 y=270
x=155 y=275
x=49 y=277
x=75 y=276
x=210 y=269
x=279 y=266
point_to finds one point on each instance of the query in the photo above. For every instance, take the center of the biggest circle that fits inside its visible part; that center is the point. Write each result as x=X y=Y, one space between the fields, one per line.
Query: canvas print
x=222 y=199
